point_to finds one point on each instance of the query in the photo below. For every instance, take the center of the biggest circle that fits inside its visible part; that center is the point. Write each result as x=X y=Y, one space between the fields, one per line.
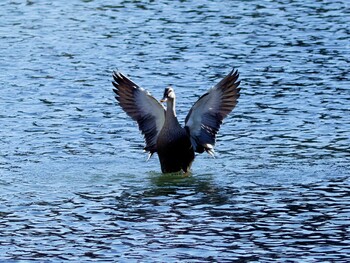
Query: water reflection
x=246 y=219
x=194 y=189
x=189 y=212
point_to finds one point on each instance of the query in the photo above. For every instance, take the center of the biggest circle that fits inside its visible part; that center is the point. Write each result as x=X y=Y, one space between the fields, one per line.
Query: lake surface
x=74 y=183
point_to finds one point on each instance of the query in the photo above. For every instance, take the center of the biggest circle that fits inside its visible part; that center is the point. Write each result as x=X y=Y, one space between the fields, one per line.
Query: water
x=74 y=182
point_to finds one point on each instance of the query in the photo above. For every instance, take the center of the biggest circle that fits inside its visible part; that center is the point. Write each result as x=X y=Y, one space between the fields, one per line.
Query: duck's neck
x=170 y=111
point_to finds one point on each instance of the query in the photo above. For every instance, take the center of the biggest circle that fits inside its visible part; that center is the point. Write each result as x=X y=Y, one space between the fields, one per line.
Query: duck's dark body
x=174 y=149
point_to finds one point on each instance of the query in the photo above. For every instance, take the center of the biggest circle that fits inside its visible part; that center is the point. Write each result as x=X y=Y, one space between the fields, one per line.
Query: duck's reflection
x=193 y=188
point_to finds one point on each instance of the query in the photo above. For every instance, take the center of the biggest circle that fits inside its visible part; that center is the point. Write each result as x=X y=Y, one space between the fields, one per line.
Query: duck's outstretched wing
x=142 y=107
x=205 y=117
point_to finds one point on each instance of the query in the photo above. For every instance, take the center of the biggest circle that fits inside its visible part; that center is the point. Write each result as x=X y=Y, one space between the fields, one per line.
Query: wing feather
x=205 y=117
x=142 y=107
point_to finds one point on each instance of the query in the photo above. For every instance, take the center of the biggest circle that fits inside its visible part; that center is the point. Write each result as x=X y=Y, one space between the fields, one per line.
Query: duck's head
x=169 y=94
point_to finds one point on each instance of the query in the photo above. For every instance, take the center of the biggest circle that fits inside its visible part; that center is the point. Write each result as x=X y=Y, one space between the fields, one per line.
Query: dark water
x=74 y=182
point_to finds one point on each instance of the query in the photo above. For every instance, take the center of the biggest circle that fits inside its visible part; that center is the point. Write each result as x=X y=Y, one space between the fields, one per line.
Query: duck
x=174 y=144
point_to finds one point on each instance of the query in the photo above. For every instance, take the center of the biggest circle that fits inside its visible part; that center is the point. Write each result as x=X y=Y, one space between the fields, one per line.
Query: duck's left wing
x=142 y=107
x=205 y=117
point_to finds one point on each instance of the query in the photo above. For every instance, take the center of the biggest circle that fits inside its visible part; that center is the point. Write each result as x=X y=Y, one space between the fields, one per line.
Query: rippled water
x=74 y=181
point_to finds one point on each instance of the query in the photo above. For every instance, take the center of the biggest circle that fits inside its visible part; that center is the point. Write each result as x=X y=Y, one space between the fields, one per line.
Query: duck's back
x=174 y=149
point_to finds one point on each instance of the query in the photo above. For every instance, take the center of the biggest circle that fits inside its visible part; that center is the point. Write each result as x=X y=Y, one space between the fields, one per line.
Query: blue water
x=74 y=181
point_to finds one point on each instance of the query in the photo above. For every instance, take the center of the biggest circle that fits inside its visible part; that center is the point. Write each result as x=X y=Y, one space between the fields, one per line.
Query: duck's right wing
x=142 y=107
x=205 y=117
